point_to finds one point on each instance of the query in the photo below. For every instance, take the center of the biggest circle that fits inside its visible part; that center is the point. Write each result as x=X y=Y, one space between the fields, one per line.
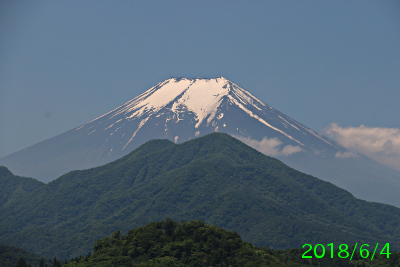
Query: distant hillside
x=13 y=187
x=9 y=257
x=216 y=179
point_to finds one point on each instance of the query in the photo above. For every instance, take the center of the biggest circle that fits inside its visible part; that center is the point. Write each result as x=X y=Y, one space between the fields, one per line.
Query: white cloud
x=270 y=147
x=289 y=150
x=380 y=144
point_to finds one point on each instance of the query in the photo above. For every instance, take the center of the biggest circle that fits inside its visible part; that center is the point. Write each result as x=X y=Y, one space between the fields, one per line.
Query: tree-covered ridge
x=169 y=243
x=14 y=187
x=172 y=243
x=216 y=179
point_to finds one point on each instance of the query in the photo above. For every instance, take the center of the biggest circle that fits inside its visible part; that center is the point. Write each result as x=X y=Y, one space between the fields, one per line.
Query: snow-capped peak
x=198 y=95
x=203 y=104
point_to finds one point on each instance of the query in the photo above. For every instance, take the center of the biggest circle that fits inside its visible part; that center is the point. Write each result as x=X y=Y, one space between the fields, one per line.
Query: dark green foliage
x=56 y=263
x=169 y=243
x=216 y=179
x=22 y=263
x=10 y=256
x=14 y=187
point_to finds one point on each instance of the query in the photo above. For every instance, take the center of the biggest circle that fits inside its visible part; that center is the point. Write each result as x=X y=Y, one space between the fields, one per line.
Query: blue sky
x=64 y=63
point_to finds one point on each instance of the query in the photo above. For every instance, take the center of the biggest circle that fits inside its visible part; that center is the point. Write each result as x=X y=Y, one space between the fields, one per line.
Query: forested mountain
x=215 y=178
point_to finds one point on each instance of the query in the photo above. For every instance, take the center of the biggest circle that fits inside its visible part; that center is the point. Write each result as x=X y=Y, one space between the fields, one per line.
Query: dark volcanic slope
x=215 y=178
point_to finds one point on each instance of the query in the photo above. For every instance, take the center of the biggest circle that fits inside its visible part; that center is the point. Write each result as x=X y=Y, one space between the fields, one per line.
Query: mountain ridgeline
x=215 y=178
x=14 y=187
x=177 y=109
x=181 y=109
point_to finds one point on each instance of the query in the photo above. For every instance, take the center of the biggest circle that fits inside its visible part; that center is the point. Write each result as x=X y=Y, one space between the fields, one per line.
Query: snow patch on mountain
x=263 y=121
x=134 y=134
x=203 y=98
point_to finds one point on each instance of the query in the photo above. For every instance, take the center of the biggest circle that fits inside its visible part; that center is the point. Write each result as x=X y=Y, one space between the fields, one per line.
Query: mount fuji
x=180 y=109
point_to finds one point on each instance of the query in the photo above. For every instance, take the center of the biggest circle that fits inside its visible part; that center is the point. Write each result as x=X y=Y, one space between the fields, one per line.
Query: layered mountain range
x=214 y=178
x=180 y=109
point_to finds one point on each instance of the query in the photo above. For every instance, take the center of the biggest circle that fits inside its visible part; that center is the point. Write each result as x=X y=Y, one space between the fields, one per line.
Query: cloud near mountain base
x=380 y=144
x=270 y=146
